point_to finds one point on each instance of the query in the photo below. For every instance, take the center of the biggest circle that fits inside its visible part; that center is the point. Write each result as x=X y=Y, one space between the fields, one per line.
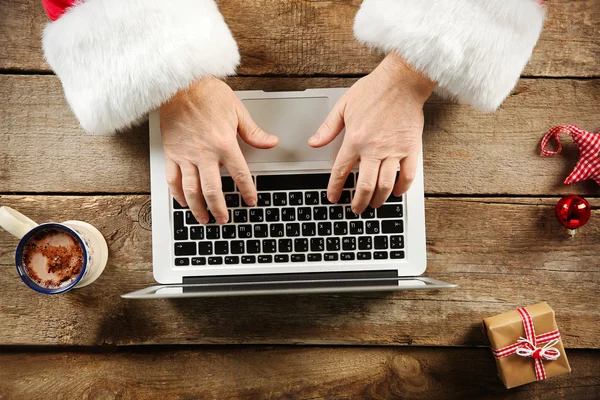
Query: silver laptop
x=294 y=240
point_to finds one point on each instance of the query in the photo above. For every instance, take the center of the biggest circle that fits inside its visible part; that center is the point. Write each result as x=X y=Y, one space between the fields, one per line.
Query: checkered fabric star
x=588 y=165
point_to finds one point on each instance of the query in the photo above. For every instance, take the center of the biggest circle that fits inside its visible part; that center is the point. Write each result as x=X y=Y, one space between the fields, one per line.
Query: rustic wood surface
x=294 y=37
x=503 y=252
x=490 y=228
x=465 y=152
x=279 y=372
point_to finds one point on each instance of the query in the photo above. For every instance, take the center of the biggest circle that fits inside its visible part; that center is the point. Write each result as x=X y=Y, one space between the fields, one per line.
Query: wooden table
x=490 y=225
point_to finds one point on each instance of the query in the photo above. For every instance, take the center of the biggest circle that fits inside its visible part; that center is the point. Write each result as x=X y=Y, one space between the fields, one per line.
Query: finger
x=408 y=170
x=193 y=191
x=330 y=128
x=238 y=169
x=210 y=177
x=385 y=182
x=365 y=186
x=251 y=133
x=174 y=181
x=344 y=162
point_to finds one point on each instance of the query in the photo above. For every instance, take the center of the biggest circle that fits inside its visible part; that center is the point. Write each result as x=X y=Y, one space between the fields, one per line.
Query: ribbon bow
x=528 y=346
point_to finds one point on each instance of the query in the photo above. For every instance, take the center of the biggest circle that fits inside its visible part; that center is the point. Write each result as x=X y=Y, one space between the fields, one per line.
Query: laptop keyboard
x=292 y=222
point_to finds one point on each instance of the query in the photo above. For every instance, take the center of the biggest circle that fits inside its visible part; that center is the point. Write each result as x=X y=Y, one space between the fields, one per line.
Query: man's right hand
x=199 y=132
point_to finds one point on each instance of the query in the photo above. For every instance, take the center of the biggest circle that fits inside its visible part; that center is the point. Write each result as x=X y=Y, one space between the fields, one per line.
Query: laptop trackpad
x=293 y=120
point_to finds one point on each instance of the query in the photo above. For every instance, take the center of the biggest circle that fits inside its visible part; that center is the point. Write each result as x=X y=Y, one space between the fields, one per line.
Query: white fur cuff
x=474 y=49
x=119 y=59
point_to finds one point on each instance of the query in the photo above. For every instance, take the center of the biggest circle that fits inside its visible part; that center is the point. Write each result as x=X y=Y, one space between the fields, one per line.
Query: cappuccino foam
x=53 y=258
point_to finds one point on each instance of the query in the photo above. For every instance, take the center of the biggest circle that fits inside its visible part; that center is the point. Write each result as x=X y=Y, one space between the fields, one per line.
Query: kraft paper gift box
x=527 y=345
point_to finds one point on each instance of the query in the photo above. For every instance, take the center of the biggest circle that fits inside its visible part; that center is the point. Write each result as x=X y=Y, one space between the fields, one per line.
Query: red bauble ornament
x=573 y=212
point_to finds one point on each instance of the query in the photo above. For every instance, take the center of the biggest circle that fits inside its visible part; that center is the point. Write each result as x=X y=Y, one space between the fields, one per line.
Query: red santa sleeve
x=474 y=49
x=119 y=59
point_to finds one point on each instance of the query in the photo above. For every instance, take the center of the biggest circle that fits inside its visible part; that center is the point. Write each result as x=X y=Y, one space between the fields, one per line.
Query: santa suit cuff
x=119 y=59
x=475 y=50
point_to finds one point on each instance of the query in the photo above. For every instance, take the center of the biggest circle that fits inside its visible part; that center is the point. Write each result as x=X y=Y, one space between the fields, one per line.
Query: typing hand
x=383 y=116
x=199 y=132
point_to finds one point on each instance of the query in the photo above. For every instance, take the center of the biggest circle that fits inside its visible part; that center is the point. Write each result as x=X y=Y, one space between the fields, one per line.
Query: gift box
x=527 y=345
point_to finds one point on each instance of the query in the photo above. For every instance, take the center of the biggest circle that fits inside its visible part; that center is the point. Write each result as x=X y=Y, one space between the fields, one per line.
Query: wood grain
x=502 y=252
x=465 y=152
x=306 y=37
x=280 y=372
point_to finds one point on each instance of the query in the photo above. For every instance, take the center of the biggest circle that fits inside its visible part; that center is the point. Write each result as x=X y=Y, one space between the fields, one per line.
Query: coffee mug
x=72 y=253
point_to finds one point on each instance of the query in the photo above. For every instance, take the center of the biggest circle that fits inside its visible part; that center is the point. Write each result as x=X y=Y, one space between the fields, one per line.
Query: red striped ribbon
x=531 y=342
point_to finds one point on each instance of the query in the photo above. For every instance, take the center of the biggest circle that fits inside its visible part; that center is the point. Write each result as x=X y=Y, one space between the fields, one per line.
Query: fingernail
x=333 y=199
x=314 y=138
x=223 y=220
x=204 y=220
x=251 y=202
x=355 y=210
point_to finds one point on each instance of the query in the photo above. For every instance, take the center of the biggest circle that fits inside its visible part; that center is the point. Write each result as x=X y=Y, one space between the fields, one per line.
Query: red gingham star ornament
x=588 y=165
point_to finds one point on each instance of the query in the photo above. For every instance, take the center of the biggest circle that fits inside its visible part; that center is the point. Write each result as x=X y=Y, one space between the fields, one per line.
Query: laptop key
x=288 y=214
x=181 y=233
x=285 y=245
x=304 y=214
x=272 y=215
x=198 y=260
x=213 y=232
x=227 y=184
x=177 y=206
x=261 y=231
x=309 y=229
x=265 y=259
x=311 y=198
x=357 y=228
x=333 y=244
x=298 y=258
x=282 y=258
x=392 y=226
x=280 y=199
x=196 y=232
x=292 y=230
x=347 y=256
x=331 y=257
x=215 y=260
x=232 y=200
x=317 y=244
x=320 y=213
x=397 y=254
x=277 y=230
x=297 y=182
x=349 y=243
x=269 y=246
x=257 y=215
x=397 y=242
x=394 y=199
x=190 y=219
x=381 y=242
x=345 y=197
x=336 y=212
x=205 y=248
x=221 y=247
x=324 y=228
x=248 y=259
x=295 y=199
x=240 y=216
x=363 y=255
x=185 y=249
x=301 y=245
x=365 y=243
x=340 y=228
x=237 y=247
x=178 y=219
x=228 y=232
x=264 y=200
x=253 y=246
x=350 y=214
x=244 y=231
x=232 y=260
x=314 y=257
x=369 y=213
x=380 y=255
x=390 y=211
x=324 y=199
x=372 y=227
x=182 y=262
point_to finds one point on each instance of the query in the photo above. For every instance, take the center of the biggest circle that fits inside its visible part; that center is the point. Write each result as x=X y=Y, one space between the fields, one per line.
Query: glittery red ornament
x=573 y=211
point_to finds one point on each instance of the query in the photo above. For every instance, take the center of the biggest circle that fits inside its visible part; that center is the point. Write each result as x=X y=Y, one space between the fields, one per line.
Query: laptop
x=293 y=240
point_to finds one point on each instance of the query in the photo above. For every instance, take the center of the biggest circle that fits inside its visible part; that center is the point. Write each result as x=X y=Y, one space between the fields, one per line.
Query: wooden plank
x=503 y=252
x=466 y=152
x=280 y=372
x=301 y=37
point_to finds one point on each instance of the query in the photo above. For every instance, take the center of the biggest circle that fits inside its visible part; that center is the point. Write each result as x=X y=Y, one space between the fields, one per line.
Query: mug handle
x=15 y=223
